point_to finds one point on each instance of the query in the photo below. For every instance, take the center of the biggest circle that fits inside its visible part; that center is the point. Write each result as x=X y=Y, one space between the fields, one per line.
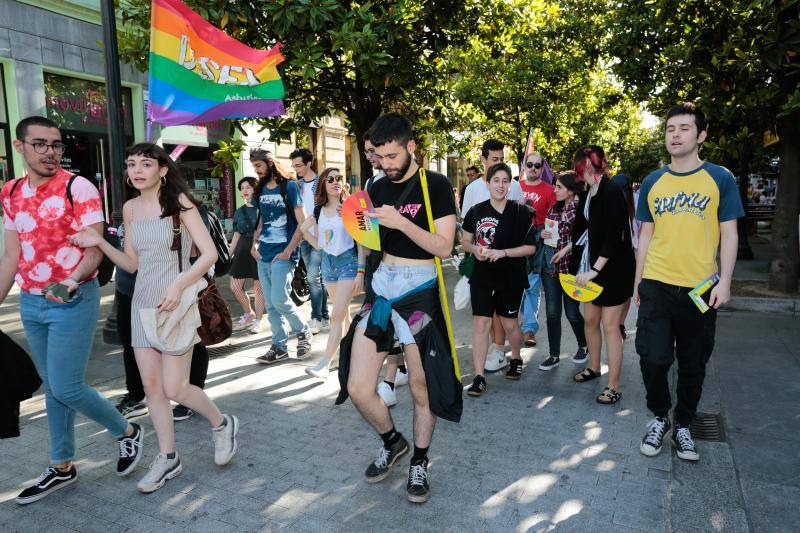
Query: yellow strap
x=423 y=178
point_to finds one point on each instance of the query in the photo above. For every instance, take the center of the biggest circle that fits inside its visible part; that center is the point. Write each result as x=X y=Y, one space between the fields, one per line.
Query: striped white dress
x=158 y=268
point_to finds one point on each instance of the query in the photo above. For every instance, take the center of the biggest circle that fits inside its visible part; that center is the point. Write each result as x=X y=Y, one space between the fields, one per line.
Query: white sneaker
x=386 y=393
x=325 y=323
x=244 y=321
x=225 y=443
x=321 y=370
x=495 y=359
x=314 y=326
x=258 y=326
x=161 y=469
x=400 y=378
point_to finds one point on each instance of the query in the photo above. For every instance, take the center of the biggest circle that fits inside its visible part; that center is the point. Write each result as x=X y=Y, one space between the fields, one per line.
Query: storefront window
x=81 y=105
x=6 y=170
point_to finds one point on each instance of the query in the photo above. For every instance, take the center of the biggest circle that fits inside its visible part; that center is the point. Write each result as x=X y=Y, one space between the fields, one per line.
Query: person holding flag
x=417 y=214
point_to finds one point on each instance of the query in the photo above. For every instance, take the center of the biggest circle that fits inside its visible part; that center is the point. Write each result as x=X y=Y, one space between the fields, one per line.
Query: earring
x=129 y=182
x=163 y=180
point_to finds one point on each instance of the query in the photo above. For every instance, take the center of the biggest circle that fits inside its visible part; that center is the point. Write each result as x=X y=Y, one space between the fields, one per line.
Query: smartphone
x=59 y=291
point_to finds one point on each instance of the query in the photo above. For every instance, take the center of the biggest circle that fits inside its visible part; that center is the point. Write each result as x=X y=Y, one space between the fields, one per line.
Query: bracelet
x=360 y=266
x=360 y=270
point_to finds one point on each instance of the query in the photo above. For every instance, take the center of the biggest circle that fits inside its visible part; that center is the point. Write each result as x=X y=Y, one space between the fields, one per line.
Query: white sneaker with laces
x=386 y=393
x=258 y=326
x=244 y=321
x=314 y=326
x=400 y=378
x=325 y=323
x=161 y=469
x=495 y=359
x=225 y=444
x=320 y=370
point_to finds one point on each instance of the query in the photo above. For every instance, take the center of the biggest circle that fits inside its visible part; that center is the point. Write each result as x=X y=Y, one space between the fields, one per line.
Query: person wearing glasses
x=342 y=262
x=59 y=298
x=307 y=179
x=537 y=193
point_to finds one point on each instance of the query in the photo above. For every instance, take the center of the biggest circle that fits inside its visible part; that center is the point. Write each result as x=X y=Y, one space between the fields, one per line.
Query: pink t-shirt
x=43 y=219
x=541 y=197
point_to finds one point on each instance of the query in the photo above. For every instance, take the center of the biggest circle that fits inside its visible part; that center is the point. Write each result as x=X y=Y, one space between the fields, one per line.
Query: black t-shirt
x=443 y=203
x=500 y=231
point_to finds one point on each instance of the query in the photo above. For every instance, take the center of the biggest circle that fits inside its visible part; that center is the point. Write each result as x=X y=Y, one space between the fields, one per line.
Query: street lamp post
x=116 y=137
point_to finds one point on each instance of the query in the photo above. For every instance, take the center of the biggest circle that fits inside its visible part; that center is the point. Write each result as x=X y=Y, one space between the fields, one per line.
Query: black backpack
x=106 y=269
x=214 y=227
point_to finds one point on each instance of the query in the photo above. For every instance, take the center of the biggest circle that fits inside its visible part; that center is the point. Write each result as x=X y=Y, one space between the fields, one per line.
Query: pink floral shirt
x=43 y=219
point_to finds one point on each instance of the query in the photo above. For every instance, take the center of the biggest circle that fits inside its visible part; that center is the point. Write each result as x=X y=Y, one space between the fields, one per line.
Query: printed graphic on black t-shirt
x=387 y=192
x=500 y=231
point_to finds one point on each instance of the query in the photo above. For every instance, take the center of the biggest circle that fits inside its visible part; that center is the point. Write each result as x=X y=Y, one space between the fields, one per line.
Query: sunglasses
x=332 y=179
x=533 y=165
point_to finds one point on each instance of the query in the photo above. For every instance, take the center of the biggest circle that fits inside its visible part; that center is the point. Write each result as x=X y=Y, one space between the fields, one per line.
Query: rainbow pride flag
x=198 y=73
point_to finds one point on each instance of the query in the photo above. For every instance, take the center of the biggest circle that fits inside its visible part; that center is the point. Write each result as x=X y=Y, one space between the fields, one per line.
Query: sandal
x=587 y=374
x=608 y=397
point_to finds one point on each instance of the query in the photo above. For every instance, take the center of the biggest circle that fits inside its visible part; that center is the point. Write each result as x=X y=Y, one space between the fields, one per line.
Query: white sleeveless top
x=332 y=237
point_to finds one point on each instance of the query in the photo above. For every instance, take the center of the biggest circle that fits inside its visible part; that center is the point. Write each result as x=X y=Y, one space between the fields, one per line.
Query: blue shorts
x=392 y=281
x=340 y=267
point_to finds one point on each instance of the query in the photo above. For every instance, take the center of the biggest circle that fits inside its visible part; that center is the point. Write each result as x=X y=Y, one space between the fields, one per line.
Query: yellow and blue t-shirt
x=687 y=209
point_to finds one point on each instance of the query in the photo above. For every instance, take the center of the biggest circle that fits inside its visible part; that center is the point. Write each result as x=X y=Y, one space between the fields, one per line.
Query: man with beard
x=275 y=247
x=59 y=298
x=402 y=304
x=396 y=373
x=538 y=194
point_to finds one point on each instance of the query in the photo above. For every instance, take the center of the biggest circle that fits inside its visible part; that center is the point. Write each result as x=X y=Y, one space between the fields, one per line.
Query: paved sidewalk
x=533 y=455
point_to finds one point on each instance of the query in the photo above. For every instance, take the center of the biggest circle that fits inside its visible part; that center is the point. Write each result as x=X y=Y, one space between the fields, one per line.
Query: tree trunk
x=784 y=267
x=745 y=155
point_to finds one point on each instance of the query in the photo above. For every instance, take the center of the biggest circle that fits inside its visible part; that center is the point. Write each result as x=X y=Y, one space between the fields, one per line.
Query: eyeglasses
x=332 y=179
x=41 y=148
x=533 y=165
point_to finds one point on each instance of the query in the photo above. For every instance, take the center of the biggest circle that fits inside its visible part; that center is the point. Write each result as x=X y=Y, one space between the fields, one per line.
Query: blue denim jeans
x=276 y=279
x=554 y=295
x=319 y=297
x=60 y=337
x=530 y=304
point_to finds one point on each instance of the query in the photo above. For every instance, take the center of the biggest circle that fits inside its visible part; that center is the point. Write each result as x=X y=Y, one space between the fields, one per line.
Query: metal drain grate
x=708 y=427
x=221 y=349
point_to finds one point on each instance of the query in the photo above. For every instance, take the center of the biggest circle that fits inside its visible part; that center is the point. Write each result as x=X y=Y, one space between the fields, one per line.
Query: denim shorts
x=393 y=281
x=340 y=267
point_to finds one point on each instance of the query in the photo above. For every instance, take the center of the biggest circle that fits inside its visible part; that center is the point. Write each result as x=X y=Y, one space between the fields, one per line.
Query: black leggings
x=133 y=381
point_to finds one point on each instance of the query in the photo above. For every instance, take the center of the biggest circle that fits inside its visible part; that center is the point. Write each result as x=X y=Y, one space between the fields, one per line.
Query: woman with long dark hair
x=161 y=194
x=342 y=271
x=601 y=236
x=244 y=264
x=557 y=260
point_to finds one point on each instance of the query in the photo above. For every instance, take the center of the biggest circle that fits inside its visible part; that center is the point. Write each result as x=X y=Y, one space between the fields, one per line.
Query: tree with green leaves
x=360 y=59
x=739 y=62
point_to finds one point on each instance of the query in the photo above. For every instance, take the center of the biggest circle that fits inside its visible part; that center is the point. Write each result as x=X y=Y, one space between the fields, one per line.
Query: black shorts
x=487 y=301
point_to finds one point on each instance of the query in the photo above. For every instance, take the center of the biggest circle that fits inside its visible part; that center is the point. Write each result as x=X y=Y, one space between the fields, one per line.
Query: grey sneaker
x=161 y=469
x=225 y=443
x=304 y=344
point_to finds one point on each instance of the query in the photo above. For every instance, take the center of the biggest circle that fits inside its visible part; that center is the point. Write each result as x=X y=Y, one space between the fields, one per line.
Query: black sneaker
x=303 y=344
x=657 y=431
x=417 y=490
x=130 y=451
x=274 y=355
x=379 y=469
x=478 y=387
x=549 y=364
x=130 y=408
x=581 y=356
x=181 y=412
x=50 y=481
x=684 y=445
x=514 y=369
